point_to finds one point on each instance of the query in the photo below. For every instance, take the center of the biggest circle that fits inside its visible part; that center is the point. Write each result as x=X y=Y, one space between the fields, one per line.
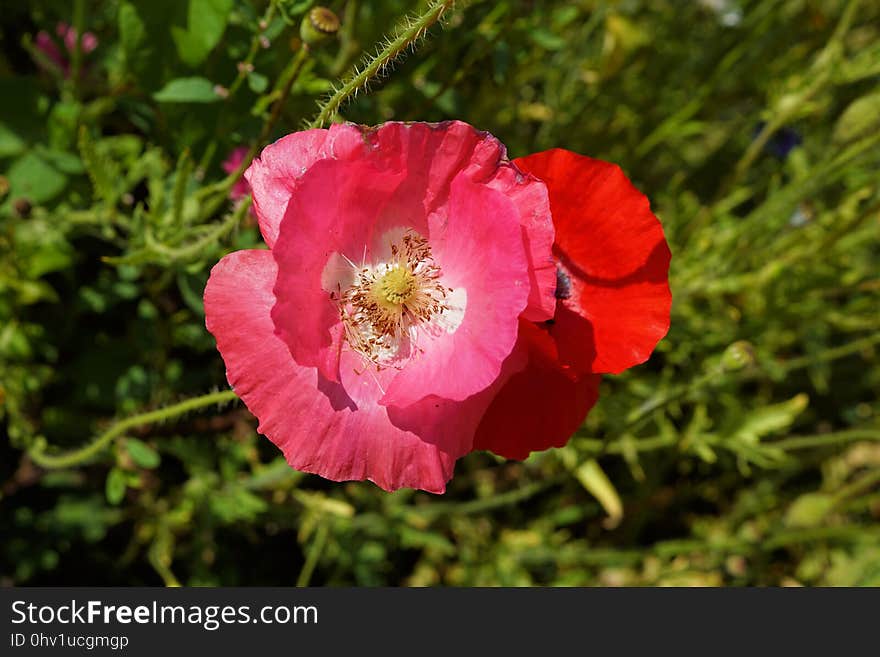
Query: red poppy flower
x=613 y=303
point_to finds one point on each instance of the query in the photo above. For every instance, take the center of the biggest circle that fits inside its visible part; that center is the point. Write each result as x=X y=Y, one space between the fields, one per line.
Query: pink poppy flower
x=241 y=188
x=372 y=336
x=68 y=35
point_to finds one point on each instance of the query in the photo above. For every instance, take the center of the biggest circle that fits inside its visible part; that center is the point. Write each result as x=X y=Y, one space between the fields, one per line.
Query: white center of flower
x=384 y=306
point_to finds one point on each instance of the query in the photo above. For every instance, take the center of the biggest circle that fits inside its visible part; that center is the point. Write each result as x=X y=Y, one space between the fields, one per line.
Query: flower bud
x=22 y=207
x=319 y=24
x=737 y=356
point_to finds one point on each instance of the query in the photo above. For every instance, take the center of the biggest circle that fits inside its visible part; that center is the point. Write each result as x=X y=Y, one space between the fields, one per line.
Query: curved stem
x=290 y=76
x=405 y=36
x=78 y=456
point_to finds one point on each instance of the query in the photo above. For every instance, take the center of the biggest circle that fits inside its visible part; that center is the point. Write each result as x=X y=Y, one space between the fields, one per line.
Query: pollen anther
x=386 y=304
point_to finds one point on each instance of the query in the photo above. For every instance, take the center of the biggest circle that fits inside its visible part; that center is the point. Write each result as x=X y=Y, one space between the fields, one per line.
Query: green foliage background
x=745 y=452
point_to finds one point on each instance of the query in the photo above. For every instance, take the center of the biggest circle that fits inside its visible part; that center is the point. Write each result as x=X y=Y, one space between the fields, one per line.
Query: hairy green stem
x=408 y=32
x=196 y=248
x=78 y=456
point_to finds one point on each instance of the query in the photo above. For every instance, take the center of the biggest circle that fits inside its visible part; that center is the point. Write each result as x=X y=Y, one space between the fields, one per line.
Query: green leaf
x=104 y=173
x=32 y=177
x=132 y=31
x=809 y=510
x=596 y=483
x=142 y=454
x=547 y=40
x=859 y=119
x=236 y=504
x=41 y=247
x=10 y=142
x=418 y=539
x=115 y=486
x=206 y=22
x=257 y=82
x=64 y=161
x=769 y=419
x=187 y=90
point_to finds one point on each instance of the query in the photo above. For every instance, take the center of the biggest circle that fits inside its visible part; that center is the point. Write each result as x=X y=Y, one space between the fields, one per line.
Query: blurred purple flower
x=782 y=142
x=68 y=34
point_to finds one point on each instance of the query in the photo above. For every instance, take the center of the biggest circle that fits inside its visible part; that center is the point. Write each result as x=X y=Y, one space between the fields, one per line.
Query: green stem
x=861 y=485
x=78 y=456
x=315 y=550
x=79 y=11
x=833 y=353
x=716 y=378
x=408 y=32
x=709 y=379
x=217 y=194
x=290 y=76
x=348 y=45
x=826 y=439
x=183 y=254
x=499 y=500
x=252 y=53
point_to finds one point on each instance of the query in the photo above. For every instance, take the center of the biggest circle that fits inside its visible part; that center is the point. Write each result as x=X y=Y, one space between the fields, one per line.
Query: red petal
x=612 y=246
x=540 y=406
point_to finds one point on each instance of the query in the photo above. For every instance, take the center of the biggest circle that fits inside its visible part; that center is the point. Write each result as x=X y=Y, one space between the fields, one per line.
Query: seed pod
x=318 y=25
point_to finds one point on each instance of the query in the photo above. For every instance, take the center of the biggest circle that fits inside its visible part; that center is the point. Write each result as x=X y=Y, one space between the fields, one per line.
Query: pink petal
x=530 y=197
x=334 y=210
x=477 y=242
x=45 y=45
x=320 y=427
x=273 y=176
x=241 y=188
x=433 y=154
x=89 y=42
x=235 y=158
